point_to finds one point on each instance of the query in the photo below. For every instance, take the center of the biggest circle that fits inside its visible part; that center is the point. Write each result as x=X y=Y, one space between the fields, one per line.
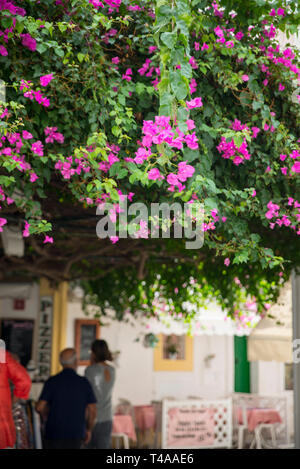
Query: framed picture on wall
x=18 y=337
x=86 y=331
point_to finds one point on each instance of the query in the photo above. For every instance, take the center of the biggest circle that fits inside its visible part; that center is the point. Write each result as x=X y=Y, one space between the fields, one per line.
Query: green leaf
x=169 y=39
x=80 y=57
x=178 y=85
x=59 y=52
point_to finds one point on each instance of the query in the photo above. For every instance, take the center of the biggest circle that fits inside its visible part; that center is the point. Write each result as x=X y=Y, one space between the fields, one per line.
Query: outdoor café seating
x=254 y=422
x=256 y=418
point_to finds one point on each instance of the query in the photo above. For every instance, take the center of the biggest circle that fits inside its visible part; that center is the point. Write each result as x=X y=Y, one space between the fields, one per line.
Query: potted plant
x=172 y=352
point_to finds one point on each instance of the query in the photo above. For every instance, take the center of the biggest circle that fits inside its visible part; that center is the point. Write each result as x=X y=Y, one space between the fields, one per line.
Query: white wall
x=267 y=378
x=136 y=380
x=31 y=306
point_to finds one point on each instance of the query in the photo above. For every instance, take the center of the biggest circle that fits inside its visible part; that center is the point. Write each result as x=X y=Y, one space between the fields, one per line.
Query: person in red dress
x=11 y=371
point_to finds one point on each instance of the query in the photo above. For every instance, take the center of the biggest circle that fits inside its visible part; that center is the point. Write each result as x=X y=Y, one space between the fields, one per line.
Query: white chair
x=121 y=437
x=242 y=428
x=258 y=440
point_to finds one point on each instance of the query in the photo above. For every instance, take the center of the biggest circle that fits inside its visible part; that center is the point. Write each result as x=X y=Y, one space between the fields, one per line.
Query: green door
x=241 y=365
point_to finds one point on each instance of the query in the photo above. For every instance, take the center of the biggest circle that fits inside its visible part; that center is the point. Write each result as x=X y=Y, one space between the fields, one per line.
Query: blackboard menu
x=87 y=336
x=18 y=337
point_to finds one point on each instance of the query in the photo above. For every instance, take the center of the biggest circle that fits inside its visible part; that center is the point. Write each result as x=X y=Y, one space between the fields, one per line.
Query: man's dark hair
x=101 y=351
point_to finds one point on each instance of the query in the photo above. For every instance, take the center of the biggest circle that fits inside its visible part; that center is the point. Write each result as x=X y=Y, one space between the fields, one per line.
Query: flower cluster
x=160 y=131
x=26 y=87
x=185 y=171
x=53 y=136
x=229 y=150
x=112 y=4
x=291 y=220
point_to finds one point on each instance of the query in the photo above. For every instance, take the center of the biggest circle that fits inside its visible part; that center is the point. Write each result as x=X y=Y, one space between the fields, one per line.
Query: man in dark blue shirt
x=68 y=403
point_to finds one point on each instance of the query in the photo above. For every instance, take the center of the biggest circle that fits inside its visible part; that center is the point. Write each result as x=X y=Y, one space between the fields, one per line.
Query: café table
x=144 y=417
x=257 y=420
x=145 y=421
x=124 y=424
x=256 y=416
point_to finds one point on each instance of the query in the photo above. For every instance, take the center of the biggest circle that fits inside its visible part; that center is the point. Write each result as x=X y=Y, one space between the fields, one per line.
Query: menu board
x=88 y=335
x=190 y=427
x=18 y=337
x=86 y=331
x=194 y=423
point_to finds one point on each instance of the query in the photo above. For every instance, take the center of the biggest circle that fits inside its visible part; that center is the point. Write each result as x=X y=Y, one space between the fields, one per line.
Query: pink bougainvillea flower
x=239 y=35
x=33 y=177
x=37 y=148
x=218 y=31
x=194 y=103
x=53 y=136
x=4 y=113
x=154 y=174
x=190 y=124
x=26 y=230
x=265 y=82
x=205 y=46
x=296 y=167
x=253 y=193
x=45 y=79
x=191 y=141
x=114 y=239
x=115 y=60
x=127 y=75
x=196 y=45
x=193 y=86
x=152 y=49
x=185 y=171
x=245 y=77
x=48 y=239
x=3 y=222
x=229 y=44
x=227 y=261
x=172 y=179
x=3 y=51
x=28 y=41
x=281 y=87
x=26 y=135
x=193 y=63
x=255 y=131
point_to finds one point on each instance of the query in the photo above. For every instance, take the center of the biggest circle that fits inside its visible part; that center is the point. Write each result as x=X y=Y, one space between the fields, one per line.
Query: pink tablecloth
x=257 y=416
x=124 y=424
x=144 y=417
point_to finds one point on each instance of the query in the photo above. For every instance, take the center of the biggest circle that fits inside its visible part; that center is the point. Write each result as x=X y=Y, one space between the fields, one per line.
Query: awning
x=271 y=340
x=15 y=290
x=207 y=321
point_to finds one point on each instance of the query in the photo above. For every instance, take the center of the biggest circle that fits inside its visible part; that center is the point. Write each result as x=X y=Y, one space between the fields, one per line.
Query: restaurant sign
x=196 y=424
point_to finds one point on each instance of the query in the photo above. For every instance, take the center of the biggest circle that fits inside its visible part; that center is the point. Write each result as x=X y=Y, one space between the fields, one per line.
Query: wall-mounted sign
x=86 y=331
x=19 y=304
x=196 y=424
x=18 y=337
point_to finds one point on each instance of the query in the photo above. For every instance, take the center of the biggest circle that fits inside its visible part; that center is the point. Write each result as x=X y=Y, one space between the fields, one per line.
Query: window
x=174 y=353
x=288 y=377
x=173 y=347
